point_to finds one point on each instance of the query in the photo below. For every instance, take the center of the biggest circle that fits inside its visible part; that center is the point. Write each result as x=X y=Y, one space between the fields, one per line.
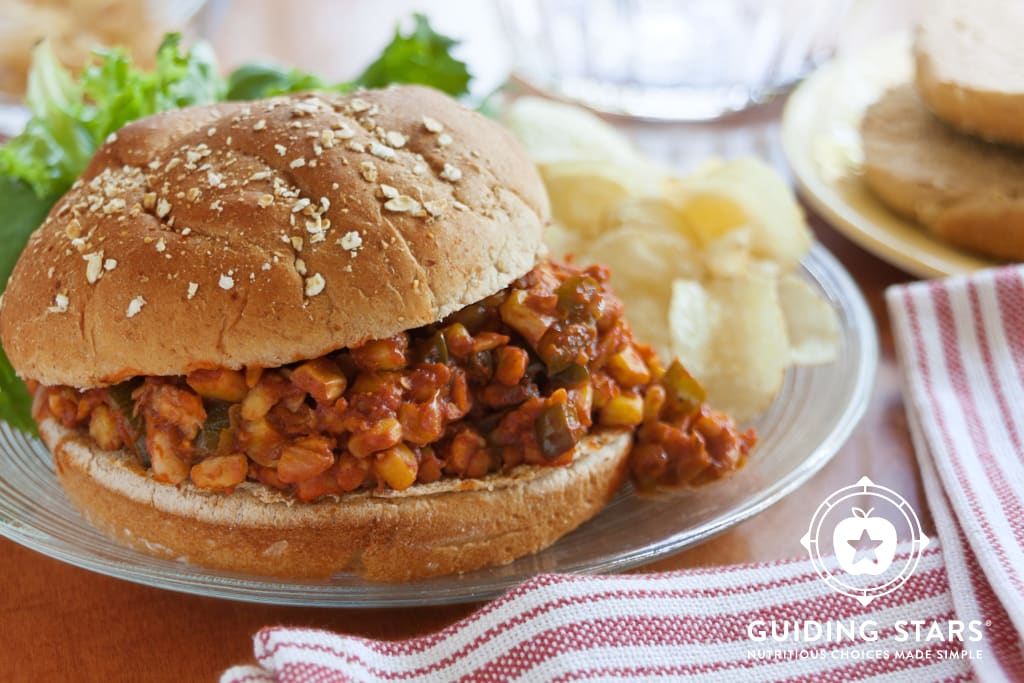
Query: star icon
x=865 y=547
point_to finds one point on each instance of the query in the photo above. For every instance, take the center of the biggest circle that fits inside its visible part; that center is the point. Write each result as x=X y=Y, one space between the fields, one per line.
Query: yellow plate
x=821 y=140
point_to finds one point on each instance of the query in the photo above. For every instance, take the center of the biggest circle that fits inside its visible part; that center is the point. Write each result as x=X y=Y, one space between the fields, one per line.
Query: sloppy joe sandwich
x=317 y=334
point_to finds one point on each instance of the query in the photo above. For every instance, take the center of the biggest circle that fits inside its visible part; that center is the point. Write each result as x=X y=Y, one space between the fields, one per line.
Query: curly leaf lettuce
x=256 y=81
x=70 y=119
x=422 y=57
x=122 y=93
x=22 y=212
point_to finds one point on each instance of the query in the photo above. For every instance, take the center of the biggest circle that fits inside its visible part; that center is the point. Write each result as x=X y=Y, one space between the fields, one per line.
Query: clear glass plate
x=807 y=423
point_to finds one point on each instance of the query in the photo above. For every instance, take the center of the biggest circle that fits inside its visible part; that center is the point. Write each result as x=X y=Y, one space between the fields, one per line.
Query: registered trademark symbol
x=988 y=622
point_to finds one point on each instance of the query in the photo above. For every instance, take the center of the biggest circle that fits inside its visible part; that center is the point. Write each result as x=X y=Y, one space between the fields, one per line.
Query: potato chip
x=729 y=255
x=561 y=241
x=743 y=362
x=711 y=216
x=583 y=192
x=553 y=132
x=746 y=192
x=646 y=313
x=652 y=214
x=706 y=167
x=701 y=263
x=811 y=323
x=643 y=261
x=643 y=264
x=691 y=325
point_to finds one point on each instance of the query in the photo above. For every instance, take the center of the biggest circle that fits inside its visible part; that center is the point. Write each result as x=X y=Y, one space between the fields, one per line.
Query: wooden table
x=58 y=622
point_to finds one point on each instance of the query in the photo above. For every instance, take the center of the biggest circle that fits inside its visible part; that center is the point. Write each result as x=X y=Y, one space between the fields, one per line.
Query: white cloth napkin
x=961 y=346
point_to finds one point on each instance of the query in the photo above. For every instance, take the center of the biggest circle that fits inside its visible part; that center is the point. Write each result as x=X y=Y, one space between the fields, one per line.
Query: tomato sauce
x=520 y=377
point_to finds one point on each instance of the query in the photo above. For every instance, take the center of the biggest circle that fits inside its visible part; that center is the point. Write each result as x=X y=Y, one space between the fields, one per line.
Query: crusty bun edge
x=992 y=116
x=968 y=67
x=447 y=527
x=977 y=223
x=965 y=191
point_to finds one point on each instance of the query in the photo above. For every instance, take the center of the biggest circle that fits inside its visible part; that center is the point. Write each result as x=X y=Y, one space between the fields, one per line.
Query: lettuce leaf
x=423 y=56
x=15 y=403
x=23 y=212
x=256 y=81
x=55 y=145
x=70 y=119
x=120 y=93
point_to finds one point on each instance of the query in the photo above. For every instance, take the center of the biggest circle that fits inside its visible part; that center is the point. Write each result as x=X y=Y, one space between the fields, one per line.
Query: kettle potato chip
x=745 y=344
x=811 y=323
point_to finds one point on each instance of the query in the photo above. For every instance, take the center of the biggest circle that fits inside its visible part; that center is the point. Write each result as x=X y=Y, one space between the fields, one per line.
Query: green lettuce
x=71 y=118
x=423 y=56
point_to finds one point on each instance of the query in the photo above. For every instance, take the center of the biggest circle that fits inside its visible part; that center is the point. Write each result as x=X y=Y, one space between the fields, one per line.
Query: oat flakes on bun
x=317 y=334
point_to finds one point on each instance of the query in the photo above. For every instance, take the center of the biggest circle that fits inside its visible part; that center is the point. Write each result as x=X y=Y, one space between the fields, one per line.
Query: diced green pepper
x=472 y=317
x=121 y=396
x=217 y=420
x=576 y=296
x=555 y=432
x=434 y=350
x=572 y=376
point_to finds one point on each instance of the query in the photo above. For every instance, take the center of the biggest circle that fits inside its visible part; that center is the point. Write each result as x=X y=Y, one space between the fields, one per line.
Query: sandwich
x=318 y=334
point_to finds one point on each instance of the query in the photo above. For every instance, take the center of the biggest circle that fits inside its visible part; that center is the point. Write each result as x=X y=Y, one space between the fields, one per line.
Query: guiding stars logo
x=863 y=540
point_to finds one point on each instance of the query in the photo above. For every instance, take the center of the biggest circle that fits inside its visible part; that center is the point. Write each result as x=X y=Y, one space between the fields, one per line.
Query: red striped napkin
x=961 y=344
x=641 y=626
x=961 y=347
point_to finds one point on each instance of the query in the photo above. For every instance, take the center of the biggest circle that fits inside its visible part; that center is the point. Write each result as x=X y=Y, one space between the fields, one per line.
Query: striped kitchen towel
x=709 y=624
x=961 y=346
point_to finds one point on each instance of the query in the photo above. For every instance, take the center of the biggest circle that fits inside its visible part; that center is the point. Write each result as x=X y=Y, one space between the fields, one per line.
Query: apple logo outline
x=918 y=541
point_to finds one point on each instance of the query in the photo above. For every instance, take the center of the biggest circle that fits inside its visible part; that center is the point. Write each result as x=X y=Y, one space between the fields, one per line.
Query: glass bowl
x=678 y=60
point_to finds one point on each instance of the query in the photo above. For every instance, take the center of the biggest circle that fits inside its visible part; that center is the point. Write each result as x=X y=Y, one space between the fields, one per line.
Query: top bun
x=969 y=60
x=262 y=233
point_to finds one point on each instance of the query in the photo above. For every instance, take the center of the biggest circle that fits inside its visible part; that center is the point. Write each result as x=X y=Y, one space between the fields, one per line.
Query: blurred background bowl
x=679 y=60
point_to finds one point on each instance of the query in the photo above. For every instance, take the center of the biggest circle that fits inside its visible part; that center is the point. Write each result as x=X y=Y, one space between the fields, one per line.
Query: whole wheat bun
x=431 y=529
x=970 y=66
x=964 y=190
x=259 y=234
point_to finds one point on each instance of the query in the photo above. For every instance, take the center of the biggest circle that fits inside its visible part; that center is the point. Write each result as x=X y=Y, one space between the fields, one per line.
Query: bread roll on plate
x=964 y=190
x=970 y=66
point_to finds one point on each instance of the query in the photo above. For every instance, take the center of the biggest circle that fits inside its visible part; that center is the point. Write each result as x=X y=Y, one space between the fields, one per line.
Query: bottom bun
x=446 y=527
